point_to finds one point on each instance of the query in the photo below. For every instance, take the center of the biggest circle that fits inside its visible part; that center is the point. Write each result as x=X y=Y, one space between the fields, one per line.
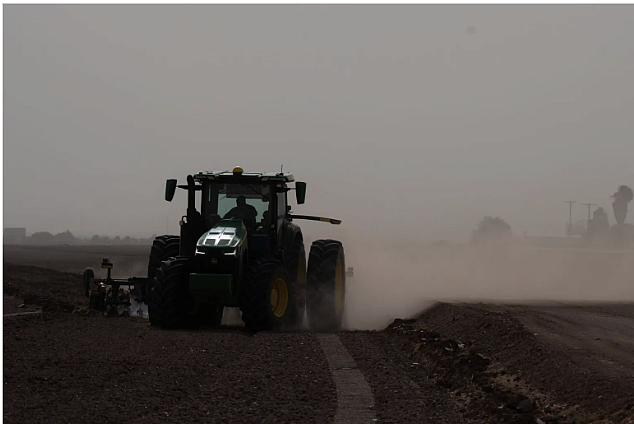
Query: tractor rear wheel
x=326 y=285
x=163 y=248
x=266 y=296
x=169 y=293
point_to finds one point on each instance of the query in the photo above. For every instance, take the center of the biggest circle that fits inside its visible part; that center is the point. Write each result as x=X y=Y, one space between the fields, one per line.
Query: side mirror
x=300 y=192
x=170 y=189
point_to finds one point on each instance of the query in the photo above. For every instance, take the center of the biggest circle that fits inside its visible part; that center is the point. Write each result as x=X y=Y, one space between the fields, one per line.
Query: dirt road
x=571 y=363
x=456 y=363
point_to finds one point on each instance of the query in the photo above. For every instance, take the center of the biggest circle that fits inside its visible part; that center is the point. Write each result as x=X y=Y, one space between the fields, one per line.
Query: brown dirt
x=14 y=305
x=561 y=364
x=456 y=363
x=62 y=367
x=53 y=291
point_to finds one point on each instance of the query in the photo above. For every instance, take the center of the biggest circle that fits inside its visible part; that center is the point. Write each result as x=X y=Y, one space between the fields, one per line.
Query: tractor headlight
x=231 y=251
x=200 y=252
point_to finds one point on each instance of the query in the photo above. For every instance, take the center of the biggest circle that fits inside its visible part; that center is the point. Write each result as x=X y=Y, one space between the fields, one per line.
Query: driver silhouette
x=243 y=211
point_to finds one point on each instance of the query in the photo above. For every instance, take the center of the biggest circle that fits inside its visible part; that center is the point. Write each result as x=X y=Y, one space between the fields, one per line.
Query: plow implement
x=113 y=296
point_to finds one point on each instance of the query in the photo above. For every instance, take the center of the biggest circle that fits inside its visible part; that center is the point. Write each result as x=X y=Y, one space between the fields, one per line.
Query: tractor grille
x=215 y=263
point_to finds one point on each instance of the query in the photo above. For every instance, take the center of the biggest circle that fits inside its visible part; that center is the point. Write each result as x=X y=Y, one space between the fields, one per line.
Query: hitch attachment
x=107 y=294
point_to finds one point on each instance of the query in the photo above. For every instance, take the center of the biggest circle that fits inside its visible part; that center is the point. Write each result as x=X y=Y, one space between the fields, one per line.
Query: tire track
x=355 y=403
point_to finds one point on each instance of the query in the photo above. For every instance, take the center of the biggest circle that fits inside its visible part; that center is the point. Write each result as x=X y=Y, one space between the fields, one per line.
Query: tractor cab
x=242 y=211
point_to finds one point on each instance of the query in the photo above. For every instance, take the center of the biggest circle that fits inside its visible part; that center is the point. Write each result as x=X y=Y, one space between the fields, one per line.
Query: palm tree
x=621 y=198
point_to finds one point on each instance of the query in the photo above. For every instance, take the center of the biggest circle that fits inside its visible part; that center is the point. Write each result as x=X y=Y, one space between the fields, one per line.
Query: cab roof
x=238 y=175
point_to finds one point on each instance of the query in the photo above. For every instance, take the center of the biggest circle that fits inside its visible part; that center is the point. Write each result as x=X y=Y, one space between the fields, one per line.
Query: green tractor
x=242 y=249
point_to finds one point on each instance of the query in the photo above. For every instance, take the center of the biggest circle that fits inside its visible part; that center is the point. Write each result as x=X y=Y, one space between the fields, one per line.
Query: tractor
x=241 y=249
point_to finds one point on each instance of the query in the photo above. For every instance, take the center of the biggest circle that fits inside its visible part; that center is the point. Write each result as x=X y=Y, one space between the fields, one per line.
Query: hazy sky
x=409 y=121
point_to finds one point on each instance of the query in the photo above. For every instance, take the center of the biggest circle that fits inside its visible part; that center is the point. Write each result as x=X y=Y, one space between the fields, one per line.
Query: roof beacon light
x=238 y=170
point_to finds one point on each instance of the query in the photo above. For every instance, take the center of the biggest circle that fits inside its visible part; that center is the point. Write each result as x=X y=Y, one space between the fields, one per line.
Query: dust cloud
x=400 y=281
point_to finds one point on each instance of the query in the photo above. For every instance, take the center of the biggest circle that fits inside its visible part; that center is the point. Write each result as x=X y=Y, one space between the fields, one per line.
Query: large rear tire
x=168 y=301
x=163 y=248
x=266 y=296
x=326 y=285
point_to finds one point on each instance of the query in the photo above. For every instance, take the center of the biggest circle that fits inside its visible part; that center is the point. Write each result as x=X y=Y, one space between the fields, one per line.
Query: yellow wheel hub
x=279 y=297
x=339 y=288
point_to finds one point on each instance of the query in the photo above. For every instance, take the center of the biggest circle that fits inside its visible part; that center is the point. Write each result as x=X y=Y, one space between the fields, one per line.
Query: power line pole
x=570 y=202
x=589 y=205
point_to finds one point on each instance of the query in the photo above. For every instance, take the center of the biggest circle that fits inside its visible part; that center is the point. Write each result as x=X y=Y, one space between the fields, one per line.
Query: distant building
x=14 y=236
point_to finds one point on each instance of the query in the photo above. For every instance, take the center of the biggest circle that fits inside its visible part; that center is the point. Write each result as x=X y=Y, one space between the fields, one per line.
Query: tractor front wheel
x=163 y=248
x=267 y=295
x=169 y=293
x=326 y=285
